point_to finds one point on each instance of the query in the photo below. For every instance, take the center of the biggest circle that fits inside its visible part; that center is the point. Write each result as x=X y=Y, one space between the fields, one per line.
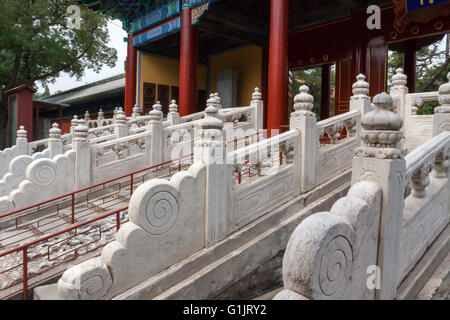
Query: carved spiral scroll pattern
x=92 y=286
x=19 y=165
x=335 y=267
x=319 y=257
x=161 y=213
x=43 y=174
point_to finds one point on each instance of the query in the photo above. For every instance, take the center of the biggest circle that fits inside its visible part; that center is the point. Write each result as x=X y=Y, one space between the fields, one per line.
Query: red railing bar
x=25 y=273
x=78 y=225
x=73 y=208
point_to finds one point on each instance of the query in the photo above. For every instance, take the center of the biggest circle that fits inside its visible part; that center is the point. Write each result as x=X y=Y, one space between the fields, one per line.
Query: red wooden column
x=358 y=38
x=24 y=110
x=188 y=65
x=130 y=77
x=377 y=61
x=410 y=65
x=277 y=111
x=325 y=99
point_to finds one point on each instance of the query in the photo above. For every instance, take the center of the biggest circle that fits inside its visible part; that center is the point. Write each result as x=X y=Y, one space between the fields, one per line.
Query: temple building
x=185 y=50
x=105 y=94
x=218 y=178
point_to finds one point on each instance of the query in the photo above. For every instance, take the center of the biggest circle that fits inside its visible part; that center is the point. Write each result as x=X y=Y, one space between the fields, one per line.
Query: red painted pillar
x=36 y=128
x=130 y=77
x=277 y=113
x=188 y=65
x=23 y=110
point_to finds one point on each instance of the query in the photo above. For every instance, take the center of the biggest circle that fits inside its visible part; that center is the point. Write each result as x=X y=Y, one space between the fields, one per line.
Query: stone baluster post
x=155 y=149
x=22 y=141
x=441 y=117
x=158 y=107
x=258 y=105
x=73 y=124
x=381 y=161
x=173 y=116
x=82 y=147
x=218 y=101
x=87 y=117
x=100 y=118
x=360 y=99
x=304 y=120
x=399 y=89
x=116 y=109
x=82 y=121
x=120 y=125
x=210 y=150
x=55 y=144
x=135 y=113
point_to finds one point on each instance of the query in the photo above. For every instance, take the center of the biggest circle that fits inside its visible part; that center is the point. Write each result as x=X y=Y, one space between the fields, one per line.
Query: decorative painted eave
x=139 y=14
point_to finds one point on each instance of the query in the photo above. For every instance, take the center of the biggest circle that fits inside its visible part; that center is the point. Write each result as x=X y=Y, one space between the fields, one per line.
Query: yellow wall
x=164 y=71
x=247 y=62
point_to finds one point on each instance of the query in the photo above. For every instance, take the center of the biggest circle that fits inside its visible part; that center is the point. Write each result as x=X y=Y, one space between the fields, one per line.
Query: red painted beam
x=277 y=111
x=130 y=77
x=188 y=65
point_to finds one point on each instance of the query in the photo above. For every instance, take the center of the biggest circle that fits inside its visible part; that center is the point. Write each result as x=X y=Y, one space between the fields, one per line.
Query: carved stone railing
x=193 y=117
x=265 y=174
x=127 y=145
x=160 y=212
x=417 y=128
x=178 y=140
x=322 y=160
x=370 y=240
x=119 y=156
x=37 y=146
x=6 y=157
x=101 y=131
x=22 y=148
x=329 y=253
x=336 y=156
x=426 y=210
x=17 y=171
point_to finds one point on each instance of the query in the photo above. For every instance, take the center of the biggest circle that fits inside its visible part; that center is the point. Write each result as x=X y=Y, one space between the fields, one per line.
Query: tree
x=312 y=77
x=39 y=41
x=432 y=65
x=39 y=95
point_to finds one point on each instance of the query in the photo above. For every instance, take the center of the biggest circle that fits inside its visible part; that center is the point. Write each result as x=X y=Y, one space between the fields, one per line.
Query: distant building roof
x=103 y=87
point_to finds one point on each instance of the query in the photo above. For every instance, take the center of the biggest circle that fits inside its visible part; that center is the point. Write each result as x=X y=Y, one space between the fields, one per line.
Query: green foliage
x=312 y=77
x=39 y=95
x=428 y=107
x=432 y=67
x=395 y=61
x=37 y=44
x=430 y=61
